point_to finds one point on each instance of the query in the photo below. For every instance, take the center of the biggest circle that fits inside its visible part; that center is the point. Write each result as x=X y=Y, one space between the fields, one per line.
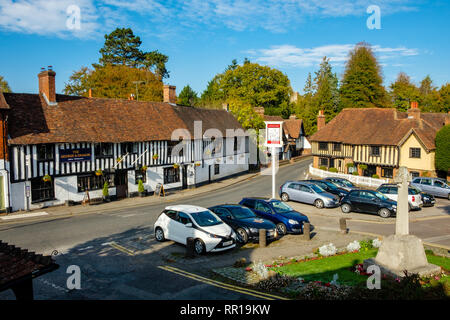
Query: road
x=99 y=243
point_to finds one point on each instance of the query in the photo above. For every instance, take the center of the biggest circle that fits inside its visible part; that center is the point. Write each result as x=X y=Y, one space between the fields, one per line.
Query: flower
x=327 y=250
x=353 y=246
x=376 y=243
x=248 y=269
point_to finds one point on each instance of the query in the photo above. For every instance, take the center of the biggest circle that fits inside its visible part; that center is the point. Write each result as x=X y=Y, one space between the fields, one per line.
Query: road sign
x=274 y=137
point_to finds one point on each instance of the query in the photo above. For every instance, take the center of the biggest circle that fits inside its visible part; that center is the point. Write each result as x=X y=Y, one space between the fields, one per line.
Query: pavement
x=114 y=246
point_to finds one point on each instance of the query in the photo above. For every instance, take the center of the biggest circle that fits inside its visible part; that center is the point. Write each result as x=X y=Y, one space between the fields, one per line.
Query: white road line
x=128 y=215
x=24 y=215
x=438 y=238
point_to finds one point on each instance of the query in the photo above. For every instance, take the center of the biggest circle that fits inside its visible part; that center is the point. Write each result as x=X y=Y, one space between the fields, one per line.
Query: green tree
x=245 y=114
x=402 y=92
x=326 y=96
x=442 y=157
x=187 y=97
x=429 y=96
x=444 y=98
x=122 y=47
x=4 y=86
x=79 y=83
x=362 y=81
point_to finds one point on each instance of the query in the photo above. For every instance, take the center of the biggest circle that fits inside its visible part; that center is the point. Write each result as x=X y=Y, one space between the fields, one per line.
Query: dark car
x=368 y=201
x=330 y=187
x=245 y=222
x=286 y=219
x=427 y=199
x=342 y=183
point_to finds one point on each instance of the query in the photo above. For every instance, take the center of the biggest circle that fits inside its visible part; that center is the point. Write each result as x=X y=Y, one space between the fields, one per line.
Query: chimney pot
x=414 y=111
x=170 y=93
x=47 y=85
x=90 y=93
x=320 y=120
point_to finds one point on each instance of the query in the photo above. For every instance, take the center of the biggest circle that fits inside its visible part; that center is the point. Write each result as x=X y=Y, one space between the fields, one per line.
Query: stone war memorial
x=402 y=251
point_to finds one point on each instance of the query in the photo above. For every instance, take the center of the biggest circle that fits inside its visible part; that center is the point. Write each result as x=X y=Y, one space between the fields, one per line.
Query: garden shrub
x=323 y=168
x=355 y=173
x=333 y=169
x=141 y=188
x=105 y=190
x=375 y=176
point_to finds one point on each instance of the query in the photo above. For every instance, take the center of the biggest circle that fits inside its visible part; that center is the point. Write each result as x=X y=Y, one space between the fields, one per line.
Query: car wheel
x=384 y=213
x=242 y=235
x=281 y=229
x=199 y=246
x=319 y=204
x=159 y=235
x=409 y=207
x=345 y=208
x=284 y=197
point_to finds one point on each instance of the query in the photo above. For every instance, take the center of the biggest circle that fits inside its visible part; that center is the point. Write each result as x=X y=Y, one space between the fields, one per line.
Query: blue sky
x=202 y=37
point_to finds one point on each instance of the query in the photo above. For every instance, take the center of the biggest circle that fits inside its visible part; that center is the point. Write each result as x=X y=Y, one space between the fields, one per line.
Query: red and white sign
x=273 y=134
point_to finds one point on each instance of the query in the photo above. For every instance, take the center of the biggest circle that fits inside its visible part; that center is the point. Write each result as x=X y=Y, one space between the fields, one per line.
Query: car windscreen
x=413 y=191
x=381 y=196
x=330 y=185
x=205 y=219
x=241 y=213
x=280 y=207
x=316 y=188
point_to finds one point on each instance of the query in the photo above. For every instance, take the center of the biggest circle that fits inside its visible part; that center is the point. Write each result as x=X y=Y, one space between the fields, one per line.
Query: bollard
x=343 y=224
x=307 y=231
x=190 y=247
x=262 y=238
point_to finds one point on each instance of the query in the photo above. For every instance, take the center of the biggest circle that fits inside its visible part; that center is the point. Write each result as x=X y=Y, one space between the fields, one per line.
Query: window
x=140 y=175
x=387 y=172
x=236 y=141
x=260 y=206
x=42 y=190
x=384 y=189
x=183 y=218
x=216 y=169
x=45 y=152
x=171 y=175
x=375 y=151
x=250 y=203
x=128 y=147
x=366 y=195
x=176 y=151
x=439 y=184
x=305 y=189
x=323 y=162
x=294 y=186
x=336 y=147
x=414 y=153
x=171 y=214
x=323 y=145
x=93 y=182
x=415 y=174
x=426 y=182
x=103 y=150
x=222 y=213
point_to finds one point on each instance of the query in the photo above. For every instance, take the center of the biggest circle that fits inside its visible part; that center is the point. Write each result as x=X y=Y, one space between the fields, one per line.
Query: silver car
x=435 y=186
x=307 y=192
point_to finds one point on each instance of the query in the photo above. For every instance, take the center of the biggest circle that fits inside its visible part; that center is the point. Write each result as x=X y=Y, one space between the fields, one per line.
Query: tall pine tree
x=362 y=81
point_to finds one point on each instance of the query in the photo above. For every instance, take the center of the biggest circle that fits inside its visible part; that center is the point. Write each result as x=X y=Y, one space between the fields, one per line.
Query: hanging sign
x=73 y=155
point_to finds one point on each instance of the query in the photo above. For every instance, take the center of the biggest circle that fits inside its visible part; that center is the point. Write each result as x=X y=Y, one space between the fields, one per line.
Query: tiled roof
x=292 y=127
x=16 y=263
x=3 y=104
x=379 y=126
x=79 y=119
x=272 y=118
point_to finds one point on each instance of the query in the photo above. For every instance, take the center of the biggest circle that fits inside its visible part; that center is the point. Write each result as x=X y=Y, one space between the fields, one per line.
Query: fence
x=358 y=180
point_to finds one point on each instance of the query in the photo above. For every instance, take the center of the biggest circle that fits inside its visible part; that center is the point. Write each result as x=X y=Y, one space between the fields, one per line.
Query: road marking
x=128 y=215
x=222 y=285
x=120 y=248
x=24 y=215
x=438 y=238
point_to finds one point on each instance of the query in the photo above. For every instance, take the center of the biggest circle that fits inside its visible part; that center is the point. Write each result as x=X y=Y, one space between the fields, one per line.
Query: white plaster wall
x=229 y=165
x=66 y=189
x=155 y=175
x=18 y=196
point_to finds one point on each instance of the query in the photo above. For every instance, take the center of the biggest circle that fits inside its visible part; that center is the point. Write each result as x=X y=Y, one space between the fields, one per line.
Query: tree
x=442 y=157
x=245 y=114
x=402 y=92
x=187 y=97
x=327 y=93
x=213 y=96
x=116 y=82
x=122 y=47
x=362 y=81
x=444 y=98
x=4 y=86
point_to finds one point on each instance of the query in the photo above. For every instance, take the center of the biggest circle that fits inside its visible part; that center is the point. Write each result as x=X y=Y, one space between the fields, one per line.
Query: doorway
x=184 y=177
x=121 y=183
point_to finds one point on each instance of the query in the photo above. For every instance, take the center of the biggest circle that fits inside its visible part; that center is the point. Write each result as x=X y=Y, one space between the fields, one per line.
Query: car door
x=263 y=210
x=393 y=193
x=427 y=186
x=180 y=231
x=169 y=226
x=226 y=216
x=294 y=191
x=369 y=202
x=440 y=188
x=356 y=200
x=306 y=194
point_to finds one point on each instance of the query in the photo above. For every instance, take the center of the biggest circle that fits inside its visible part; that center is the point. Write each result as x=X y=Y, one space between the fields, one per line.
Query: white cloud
x=292 y=56
x=47 y=17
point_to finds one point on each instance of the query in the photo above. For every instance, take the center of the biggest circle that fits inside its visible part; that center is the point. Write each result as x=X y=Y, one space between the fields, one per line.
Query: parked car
x=308 y=192
x=177 y=223
x=245 y=222
x=330 y=187
x=368 y=201
x=434 y=186
x=286 y=219
x=427 y=199
x=342 y=183
x=390 y=190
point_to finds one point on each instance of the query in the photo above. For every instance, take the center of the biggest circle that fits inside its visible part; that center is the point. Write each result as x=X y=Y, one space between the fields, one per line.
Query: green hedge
x=333 y=169
x=375 y=176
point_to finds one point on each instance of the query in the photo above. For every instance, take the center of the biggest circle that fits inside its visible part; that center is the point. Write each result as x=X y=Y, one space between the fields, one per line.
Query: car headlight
x=253 y=230
x=394 y=206
x=292 y=221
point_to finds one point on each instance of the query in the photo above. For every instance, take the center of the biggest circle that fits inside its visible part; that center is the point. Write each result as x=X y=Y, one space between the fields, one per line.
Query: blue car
x=286 y=219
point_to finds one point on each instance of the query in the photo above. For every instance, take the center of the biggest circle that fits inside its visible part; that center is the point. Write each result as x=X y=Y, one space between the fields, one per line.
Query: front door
x=121 y=183
x=184 y=177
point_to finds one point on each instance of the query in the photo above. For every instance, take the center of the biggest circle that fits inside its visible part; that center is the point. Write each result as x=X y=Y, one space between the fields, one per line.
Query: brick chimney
x=259 y=111
x=170 y=93
x=47 y=84
x=414 y=111
x=225 y=107
x=447 y=118
x=292 y=117
x=320 y=120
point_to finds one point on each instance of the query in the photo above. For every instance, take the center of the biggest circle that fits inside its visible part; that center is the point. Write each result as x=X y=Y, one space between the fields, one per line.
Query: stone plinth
x=403 y=252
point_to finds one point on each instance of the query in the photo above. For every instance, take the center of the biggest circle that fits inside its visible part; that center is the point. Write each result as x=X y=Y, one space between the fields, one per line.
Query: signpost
x=274 y=139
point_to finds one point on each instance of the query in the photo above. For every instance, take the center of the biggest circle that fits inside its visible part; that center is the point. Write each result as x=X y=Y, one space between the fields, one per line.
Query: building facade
x=377 y=141
x=58 y=148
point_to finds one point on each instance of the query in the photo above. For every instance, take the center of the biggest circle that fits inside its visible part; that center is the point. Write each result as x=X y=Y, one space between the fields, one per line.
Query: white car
x=391 y=191
x=179 y=222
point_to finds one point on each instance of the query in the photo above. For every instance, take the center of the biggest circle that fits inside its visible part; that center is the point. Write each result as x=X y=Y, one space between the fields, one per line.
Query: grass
x=324 y=269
